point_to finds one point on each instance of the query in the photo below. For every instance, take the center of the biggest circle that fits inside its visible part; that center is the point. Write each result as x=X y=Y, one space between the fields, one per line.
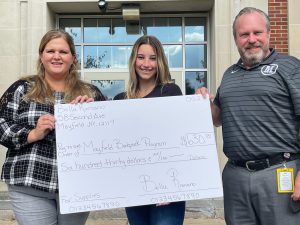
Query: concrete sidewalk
x=188 y=221
x=198 y=212
x=117 y=217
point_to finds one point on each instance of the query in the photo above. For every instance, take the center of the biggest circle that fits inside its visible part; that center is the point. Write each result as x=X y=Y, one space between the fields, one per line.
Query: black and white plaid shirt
x=33 y=164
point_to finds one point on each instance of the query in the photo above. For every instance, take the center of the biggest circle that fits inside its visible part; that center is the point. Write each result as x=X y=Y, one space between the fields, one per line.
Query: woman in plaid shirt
x=27 y=129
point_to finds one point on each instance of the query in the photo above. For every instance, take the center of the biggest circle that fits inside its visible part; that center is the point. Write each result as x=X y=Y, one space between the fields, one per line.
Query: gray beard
x=252 y=59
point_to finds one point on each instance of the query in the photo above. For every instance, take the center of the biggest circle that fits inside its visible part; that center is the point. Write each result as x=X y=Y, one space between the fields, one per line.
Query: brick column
x=278 y=13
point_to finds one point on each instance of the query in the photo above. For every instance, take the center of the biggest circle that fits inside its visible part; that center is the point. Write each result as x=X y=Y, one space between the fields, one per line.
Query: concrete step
x=198 y=212
x=5 y=206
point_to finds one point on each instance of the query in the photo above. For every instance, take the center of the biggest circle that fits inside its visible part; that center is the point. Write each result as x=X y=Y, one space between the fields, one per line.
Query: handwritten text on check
x=135 y=152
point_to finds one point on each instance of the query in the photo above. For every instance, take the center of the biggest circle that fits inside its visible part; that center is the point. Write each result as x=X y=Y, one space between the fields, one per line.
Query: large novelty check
x=135 y=152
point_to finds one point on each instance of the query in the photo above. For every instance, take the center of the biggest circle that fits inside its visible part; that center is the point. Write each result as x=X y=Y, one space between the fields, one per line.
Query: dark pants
x=172 y=214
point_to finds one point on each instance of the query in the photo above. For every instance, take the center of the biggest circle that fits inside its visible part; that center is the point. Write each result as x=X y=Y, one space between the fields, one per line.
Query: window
x=106 y=43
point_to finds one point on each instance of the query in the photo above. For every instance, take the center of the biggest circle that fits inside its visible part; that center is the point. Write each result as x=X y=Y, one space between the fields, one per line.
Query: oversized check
x=134 y=152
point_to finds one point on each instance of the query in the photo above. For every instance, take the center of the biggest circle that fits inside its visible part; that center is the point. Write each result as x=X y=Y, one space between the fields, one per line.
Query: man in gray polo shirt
x=258 y=106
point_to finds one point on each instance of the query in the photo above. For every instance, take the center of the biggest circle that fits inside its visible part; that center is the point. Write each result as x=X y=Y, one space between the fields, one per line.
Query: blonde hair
x=40 y=90
x=162 y=74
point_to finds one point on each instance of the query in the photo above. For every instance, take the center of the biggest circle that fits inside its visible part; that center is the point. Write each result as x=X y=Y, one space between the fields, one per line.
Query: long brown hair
x=162 y=75
x=40 y=90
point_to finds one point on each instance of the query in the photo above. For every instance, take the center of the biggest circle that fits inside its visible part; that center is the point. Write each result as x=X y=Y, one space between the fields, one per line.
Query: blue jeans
x=172 y=214
x=36 y=207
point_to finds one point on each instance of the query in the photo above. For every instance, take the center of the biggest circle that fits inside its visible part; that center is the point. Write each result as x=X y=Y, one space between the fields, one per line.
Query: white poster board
x=135 y=152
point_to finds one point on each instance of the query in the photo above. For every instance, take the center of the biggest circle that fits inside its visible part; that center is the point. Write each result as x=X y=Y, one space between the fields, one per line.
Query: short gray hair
x=248 y=10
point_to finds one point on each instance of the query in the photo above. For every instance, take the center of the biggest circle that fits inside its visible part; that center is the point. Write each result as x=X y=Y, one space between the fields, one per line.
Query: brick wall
x=278 y=13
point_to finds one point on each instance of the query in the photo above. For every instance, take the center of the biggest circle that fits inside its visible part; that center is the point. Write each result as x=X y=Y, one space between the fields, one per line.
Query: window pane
x=133 y=31
x=146 y=24
x=165 y=29
x=97 y=30
x=106 y=56
x=195 y=56
x=90 y=30
x=120 y=56
x=72 y=26
x=194 y=80
x=175 y=31
x=118 y=32
x=110 y=31
x=195 y=29
x=78 y=54
x=110 y=88
x=174 y=55
x=97 y=57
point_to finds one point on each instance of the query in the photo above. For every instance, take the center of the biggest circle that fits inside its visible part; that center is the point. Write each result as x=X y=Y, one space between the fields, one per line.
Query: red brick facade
x=278 y=13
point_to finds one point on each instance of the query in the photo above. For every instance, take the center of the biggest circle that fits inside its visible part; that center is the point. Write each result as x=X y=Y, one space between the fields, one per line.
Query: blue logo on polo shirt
x=268 y=70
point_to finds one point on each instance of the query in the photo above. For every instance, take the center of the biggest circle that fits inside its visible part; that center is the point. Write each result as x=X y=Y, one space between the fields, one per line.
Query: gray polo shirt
x=260 y=108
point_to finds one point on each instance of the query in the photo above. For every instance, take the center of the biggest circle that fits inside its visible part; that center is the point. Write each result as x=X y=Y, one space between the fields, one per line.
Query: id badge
x=285 y=180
